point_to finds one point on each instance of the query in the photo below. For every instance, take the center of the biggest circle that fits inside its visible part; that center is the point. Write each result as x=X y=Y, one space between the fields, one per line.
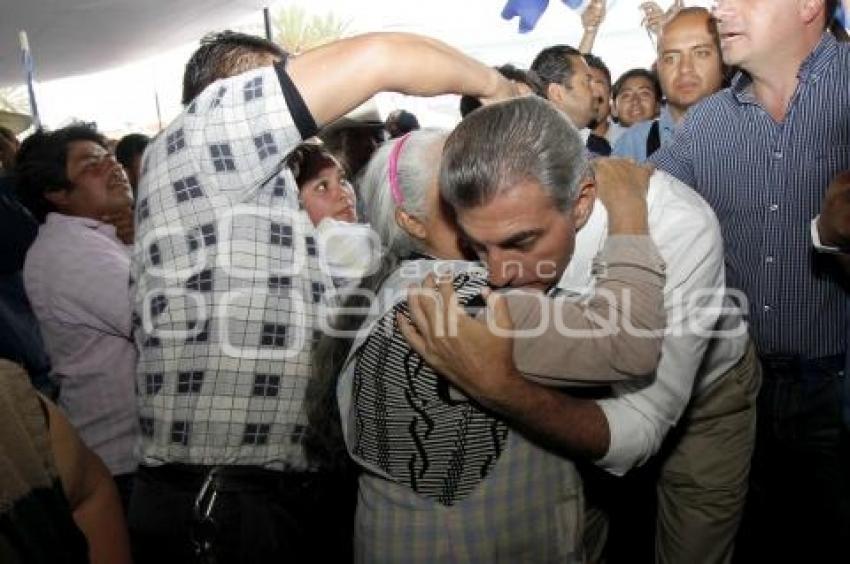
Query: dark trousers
x=798 y=509
x=124 y=484
x=247 y=515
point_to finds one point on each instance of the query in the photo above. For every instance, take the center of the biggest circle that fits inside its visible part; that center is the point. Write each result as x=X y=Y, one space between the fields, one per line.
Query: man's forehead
x=688 y=28
x=511 y=211
x=636 y=83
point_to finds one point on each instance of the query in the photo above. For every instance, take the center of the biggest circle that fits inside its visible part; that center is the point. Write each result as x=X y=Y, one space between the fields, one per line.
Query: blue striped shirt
x=766 y=181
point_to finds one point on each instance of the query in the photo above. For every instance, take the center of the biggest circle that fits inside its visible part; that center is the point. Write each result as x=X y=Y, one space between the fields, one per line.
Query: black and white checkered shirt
x=227 y=280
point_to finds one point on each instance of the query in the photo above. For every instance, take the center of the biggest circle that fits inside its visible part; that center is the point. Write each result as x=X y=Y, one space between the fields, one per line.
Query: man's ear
x=410 y=225
x=613 y=107
x=555 y=93
x=583 y=205
x=809 y=10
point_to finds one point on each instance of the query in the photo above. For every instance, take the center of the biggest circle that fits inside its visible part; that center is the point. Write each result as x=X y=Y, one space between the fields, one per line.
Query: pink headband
x=395 y=189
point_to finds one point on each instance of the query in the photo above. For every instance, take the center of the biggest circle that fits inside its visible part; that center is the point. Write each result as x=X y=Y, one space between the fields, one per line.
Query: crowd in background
x=601 y=320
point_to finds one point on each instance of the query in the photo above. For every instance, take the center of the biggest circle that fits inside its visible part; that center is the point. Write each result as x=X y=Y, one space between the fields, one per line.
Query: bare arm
x=577 y=427
x=91 y=493
x=654 y=17
x=591 y=19
x=336 y=77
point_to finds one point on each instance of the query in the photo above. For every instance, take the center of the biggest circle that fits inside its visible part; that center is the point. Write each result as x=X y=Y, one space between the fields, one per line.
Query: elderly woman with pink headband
x=442 y=479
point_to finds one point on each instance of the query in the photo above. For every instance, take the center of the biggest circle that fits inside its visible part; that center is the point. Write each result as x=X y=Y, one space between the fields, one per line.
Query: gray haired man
x=512 y=173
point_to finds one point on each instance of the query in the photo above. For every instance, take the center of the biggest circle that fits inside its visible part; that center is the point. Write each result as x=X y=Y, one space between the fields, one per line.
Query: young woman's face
x=329 y=194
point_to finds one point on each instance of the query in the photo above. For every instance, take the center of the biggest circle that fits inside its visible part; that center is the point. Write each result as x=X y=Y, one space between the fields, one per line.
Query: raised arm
x=591 y=20
x=336 y=77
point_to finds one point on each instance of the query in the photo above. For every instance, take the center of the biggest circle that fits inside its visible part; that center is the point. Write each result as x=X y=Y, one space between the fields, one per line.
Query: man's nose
x=502 y=270
x=108 y=162
x=339 y=191
x=686 y=64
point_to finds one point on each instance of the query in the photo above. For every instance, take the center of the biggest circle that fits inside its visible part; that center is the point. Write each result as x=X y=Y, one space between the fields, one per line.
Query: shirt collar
x=665 y=120
x=579 y=274
x=58 y=219
x=811 y=69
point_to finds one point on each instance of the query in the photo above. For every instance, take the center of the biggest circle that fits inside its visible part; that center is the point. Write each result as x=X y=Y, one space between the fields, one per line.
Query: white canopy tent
x=73 y=37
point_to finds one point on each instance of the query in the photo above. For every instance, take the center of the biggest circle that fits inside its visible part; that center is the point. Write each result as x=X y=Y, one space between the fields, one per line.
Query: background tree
x=297 y=31
x=14 y=99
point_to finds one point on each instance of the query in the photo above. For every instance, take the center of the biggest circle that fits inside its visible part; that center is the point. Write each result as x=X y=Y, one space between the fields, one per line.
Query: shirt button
x=766 y=308
x=773 y=207
x=777 y=155
x=769 y=259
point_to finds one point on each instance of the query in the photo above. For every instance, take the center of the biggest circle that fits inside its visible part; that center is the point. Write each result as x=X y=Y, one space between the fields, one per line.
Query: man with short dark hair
x=604 y=132
x=77 y=276
x=567 y=83
x=226 y=54
x=129 y=152
x=689 y=69
x=762 y=153
x=228 y=294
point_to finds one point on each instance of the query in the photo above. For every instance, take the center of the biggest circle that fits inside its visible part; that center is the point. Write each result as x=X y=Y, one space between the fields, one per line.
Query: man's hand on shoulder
x=621 y=186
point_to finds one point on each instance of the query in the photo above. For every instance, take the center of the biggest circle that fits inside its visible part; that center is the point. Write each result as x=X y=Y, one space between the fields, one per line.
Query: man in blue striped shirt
x=762 y=153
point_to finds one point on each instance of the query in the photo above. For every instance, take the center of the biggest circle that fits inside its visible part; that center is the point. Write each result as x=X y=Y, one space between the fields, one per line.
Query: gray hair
x=502 y=145
x=417 y=169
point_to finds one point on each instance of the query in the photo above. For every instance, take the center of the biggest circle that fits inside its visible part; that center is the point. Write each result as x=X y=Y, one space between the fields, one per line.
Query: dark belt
x=795 y=366
x=190 y=477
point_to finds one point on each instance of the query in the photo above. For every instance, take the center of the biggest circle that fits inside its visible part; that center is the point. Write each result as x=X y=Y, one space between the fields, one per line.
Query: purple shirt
x=77 y=277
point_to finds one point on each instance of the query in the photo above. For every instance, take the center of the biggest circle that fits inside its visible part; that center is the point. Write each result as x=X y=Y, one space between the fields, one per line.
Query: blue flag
x=529 y=11
x=29 y=71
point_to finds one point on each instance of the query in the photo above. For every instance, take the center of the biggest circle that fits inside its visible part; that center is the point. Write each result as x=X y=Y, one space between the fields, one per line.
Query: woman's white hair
x=418 y=167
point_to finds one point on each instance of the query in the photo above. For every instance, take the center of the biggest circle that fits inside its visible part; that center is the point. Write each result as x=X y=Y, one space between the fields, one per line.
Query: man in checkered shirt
x=227 y=294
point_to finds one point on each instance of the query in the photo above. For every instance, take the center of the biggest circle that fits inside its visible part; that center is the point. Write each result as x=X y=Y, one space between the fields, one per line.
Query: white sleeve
x=640 y=415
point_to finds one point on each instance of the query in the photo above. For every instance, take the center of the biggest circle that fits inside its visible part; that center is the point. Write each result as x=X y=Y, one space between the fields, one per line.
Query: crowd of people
x=597 y=321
